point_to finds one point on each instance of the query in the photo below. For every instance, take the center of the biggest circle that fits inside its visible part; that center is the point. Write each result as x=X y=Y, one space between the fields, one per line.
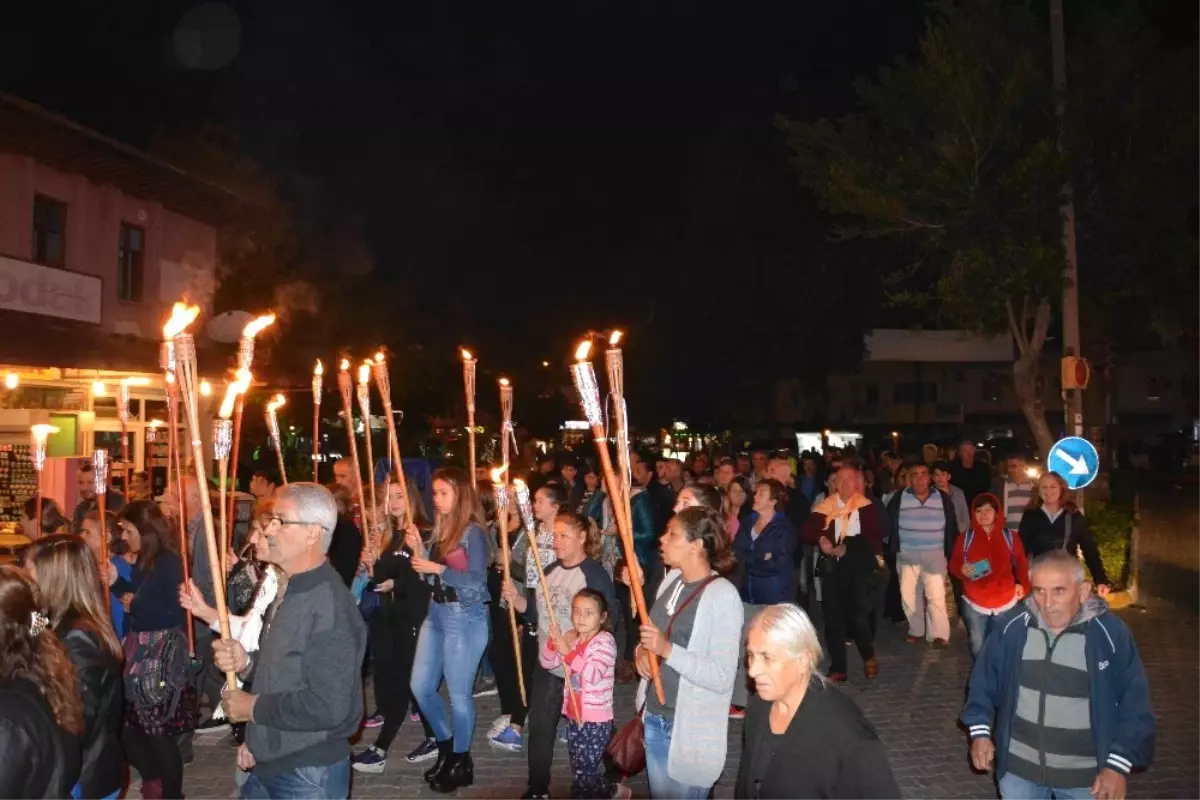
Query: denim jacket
x=469 y=584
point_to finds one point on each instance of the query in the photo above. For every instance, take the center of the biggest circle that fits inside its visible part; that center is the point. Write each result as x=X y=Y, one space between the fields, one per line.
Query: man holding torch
x=307 y=699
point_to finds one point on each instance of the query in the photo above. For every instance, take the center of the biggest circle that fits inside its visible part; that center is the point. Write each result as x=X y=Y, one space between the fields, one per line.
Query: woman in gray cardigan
x=686 y=737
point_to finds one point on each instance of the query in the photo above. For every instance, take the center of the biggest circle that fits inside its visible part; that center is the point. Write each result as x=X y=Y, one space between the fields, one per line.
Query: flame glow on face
x=581 y=352
x=181 y=317
x=258 y=325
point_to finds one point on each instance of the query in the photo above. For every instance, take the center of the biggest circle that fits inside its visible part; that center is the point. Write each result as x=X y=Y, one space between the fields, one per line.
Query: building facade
x=948 y=383
x=97 y=241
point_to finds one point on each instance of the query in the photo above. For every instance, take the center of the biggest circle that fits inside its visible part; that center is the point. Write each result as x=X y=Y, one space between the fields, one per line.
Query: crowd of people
x=735 y=558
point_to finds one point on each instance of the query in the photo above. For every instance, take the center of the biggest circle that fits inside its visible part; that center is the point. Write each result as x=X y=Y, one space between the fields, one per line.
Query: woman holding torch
x=577 y=548
x=455 y=634
x=404 y=605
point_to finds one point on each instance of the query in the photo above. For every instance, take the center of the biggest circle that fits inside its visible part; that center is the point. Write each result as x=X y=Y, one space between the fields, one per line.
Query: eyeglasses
x=280 y=522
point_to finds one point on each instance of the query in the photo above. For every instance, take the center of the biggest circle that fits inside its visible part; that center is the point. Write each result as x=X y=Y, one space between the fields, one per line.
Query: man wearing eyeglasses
x=307 y=698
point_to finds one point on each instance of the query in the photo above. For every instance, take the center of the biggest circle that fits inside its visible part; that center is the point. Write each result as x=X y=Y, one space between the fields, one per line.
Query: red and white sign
x=34 y=289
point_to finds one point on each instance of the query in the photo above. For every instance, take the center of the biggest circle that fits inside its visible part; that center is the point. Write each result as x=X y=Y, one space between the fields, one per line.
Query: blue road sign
x=1075 y=460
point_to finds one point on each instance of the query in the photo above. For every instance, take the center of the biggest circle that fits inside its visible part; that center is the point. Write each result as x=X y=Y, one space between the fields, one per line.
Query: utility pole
x=1072 y=398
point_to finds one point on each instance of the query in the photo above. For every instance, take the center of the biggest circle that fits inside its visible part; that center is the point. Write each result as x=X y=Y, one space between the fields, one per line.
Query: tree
x=955 y=160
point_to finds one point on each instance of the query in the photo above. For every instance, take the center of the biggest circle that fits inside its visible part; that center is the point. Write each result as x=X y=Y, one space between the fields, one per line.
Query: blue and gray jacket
x=1123 y=725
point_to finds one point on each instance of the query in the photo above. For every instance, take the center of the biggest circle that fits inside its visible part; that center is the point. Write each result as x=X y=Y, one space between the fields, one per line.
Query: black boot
x=445 y=750
x=459 y=771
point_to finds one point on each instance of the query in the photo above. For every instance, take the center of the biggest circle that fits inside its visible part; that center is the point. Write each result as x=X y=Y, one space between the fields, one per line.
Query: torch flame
x=156 y=423
x=615 y=338
x=231 y=393
x=319 y=369
x=41 y=432
x=581 y=352
x=498 y=473
x=205 y=388
x=256 y=326
x=364 y=373
x=345 y=365
x=181 y=316
x=379 y=357
x=276 y=402
x=504 y=381
x=466 y=354
x=243 y=380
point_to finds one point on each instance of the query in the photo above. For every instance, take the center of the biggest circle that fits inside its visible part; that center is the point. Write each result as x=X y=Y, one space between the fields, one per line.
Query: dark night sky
x=593 y=162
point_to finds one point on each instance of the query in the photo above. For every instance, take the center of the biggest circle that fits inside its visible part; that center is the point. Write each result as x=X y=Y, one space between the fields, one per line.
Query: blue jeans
x=658 y=749
x=978 y=627
x=301 y=783
x=1014 y=788
x=451 y=642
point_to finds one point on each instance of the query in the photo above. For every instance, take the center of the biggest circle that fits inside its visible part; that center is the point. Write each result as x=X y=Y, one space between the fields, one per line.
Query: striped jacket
x=1122 y=718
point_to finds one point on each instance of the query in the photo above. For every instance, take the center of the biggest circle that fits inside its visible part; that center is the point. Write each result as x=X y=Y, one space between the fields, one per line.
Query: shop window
x=49 y=231
x=130 y=263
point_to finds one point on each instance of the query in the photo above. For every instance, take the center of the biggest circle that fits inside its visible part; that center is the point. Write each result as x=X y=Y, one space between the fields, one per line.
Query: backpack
x=969 y=536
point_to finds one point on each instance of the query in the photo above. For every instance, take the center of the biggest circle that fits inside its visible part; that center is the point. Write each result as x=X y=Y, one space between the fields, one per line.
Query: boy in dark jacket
x=1061 y=650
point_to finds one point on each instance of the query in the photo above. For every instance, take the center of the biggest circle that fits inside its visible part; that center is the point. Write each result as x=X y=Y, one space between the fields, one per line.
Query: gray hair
x=1059 y=559
x=788 y=627
x=312 y=504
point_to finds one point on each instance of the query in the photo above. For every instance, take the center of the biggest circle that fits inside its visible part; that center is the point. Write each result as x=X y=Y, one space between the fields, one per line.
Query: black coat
x=408 y=602
x=829 y=750
x=1039 y=535
x=100 y=686
x=345 y=547
x=39 y=758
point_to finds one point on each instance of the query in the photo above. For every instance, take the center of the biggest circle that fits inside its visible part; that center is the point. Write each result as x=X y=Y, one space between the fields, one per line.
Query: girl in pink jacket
x=589 y=655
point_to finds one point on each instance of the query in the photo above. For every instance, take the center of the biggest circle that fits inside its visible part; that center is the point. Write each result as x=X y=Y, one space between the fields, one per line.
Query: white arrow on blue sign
x=1075 y=460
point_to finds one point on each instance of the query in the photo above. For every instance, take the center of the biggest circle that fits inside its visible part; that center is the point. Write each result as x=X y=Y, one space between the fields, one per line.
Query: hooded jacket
x=1123 y=725
x=988 y=566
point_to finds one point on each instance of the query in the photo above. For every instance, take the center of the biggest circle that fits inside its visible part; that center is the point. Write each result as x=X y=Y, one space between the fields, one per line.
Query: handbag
x=157 y=668
x=243 y=579
x=627 y=748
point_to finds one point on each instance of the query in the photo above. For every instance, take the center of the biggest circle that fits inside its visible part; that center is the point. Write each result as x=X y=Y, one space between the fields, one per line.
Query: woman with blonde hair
x=455 y=632
x=803 y=737
x=41 y=717
x=1054 y=522
x=65 y=572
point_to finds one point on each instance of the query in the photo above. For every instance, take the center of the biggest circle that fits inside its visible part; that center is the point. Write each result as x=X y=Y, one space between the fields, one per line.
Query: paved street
x=914 y=702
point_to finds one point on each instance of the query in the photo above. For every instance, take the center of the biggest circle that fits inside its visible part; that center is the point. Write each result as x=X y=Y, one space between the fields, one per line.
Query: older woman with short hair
x=803 y=737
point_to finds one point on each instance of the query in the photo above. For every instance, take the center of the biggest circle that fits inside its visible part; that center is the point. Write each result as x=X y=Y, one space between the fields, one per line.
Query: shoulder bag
x=627 y=748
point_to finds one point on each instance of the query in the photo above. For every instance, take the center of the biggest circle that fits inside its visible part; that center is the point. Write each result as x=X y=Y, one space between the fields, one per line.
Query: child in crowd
x=589 y=653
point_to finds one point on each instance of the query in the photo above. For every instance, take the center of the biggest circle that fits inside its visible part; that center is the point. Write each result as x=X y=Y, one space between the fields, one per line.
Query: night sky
x=533 y=169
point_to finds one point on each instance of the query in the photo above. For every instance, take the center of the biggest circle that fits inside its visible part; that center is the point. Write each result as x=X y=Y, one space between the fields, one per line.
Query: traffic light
x=1075 y=372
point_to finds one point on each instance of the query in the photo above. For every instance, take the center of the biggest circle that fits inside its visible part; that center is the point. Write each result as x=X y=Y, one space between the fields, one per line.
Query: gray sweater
x=308 y=677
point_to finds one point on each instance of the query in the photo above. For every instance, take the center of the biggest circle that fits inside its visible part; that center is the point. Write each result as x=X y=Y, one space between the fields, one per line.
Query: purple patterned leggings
x=586 y=742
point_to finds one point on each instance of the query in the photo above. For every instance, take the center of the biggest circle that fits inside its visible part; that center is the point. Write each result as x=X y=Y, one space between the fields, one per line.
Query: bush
x=1111 y=524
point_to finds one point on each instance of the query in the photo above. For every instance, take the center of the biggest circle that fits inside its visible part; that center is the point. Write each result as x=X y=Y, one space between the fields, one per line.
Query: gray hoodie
x=308 y=677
